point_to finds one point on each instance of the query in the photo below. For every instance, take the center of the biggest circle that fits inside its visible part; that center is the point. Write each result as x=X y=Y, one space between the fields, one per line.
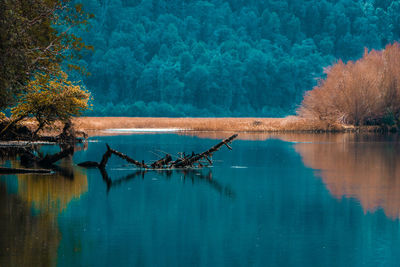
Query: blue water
x=260 y=205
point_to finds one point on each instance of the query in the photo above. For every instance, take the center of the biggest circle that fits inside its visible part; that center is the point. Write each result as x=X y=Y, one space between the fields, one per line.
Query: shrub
x=50 y=98
x=364 y=92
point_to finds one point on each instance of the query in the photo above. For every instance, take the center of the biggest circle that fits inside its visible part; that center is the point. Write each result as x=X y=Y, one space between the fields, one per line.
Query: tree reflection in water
x=26 y=239
x=361 y=166
x=28 y=216
x=365 y=167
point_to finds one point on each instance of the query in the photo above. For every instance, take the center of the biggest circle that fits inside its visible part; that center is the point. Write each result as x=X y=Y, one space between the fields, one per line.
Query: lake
x=274 y=200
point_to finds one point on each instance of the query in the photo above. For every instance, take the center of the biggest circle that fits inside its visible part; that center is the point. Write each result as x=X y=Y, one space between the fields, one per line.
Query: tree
x=363 y=92
x=49 y=98
x=36 y=36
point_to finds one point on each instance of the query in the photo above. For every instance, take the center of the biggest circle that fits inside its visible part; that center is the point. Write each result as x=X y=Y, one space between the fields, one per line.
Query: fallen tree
x=183 y=162
x=5 y=170
x=12 y=133
x=33 y=160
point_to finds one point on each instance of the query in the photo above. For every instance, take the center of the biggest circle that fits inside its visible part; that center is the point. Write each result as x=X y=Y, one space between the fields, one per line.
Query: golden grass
x=207 y=127
x=291 y=123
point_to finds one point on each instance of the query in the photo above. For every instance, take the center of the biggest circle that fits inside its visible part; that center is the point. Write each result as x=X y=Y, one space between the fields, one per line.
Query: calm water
x=288 y=200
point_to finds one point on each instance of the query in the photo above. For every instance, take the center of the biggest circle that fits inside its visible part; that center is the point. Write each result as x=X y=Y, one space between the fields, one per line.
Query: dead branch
x=166 y=162
x=205 y=155
x=105 y=158
x=159 y=164
x=89 y=164
x=128 y=159
x=51 y=159
x=29 y=158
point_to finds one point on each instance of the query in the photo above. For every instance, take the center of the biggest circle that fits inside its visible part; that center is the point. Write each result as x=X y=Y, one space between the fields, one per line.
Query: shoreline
x=290 y=124
x=107 y=126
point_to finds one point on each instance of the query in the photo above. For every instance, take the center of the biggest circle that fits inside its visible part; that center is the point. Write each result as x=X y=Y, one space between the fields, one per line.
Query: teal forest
x=222 y=58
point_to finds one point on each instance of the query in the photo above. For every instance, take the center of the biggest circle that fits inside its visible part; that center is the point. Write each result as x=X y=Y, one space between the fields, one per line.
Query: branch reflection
x=196 y=176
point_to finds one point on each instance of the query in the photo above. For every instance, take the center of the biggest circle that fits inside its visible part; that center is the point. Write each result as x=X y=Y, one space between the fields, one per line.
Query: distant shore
x=287 y=124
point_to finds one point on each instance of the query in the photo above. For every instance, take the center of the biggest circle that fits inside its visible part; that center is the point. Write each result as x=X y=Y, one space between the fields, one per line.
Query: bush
x=50 y=98
x=364 y=92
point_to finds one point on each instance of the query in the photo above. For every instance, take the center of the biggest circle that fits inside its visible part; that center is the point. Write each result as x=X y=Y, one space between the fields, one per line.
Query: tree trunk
x=12 y=122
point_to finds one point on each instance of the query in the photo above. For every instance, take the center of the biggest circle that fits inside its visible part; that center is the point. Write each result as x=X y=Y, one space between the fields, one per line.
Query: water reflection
x=52 y=193
x=195 y=176
x=29 y=209
x=26 y=239
x=364 y=167
x=281 y=214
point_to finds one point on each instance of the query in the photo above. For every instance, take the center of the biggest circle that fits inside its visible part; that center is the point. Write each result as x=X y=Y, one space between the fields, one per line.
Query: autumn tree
x=364 y=92
x=49 y=98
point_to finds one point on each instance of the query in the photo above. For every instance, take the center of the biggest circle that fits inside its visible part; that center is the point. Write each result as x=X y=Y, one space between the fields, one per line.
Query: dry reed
x=288 y=124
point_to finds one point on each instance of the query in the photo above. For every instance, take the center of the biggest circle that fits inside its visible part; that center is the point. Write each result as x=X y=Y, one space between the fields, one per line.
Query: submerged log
x=32 y=160
x=89 y=164
x=161 y=162
x=164 y=163
x=4 y=170
x=128 y=159
x=51 y=159
x=105 y=158
x=205 y=155
x=29 y=157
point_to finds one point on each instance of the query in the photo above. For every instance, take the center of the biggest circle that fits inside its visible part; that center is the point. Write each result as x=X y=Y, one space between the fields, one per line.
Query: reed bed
x=288 y=124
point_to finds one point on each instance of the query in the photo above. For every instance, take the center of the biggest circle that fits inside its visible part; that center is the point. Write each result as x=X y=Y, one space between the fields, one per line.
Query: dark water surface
x=289 y=200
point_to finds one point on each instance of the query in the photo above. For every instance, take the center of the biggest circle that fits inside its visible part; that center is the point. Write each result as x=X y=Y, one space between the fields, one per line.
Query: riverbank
x=95 y=126
x=290 y=123
x=91 y=125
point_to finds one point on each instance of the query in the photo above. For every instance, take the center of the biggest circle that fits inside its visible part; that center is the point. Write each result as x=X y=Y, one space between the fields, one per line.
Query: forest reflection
x=29 y=208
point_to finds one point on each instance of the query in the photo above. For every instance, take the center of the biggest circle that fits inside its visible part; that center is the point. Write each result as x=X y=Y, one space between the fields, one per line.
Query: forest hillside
x=223 y=58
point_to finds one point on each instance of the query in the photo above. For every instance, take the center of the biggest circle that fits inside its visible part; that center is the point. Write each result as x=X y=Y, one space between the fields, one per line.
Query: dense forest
x=223 y=58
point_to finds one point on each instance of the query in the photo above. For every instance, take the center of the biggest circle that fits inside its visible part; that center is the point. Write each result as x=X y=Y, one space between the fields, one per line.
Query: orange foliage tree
x=364 y=92
x=51 y=98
